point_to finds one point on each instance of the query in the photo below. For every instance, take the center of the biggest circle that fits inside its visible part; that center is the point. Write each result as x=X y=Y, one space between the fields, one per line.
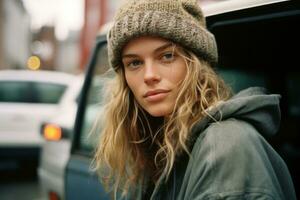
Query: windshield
x=30 y=92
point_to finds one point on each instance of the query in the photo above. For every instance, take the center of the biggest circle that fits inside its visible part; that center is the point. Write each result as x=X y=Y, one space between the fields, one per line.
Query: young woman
x=172 y=129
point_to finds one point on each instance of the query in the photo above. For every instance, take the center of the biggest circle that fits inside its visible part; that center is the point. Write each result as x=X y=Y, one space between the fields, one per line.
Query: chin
x=159 y=112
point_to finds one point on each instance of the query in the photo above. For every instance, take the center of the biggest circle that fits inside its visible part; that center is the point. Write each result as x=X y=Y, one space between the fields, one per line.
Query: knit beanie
x=179 y=21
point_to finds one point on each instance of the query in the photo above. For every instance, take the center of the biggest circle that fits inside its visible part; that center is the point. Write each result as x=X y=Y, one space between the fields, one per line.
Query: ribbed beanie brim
x=180 y=21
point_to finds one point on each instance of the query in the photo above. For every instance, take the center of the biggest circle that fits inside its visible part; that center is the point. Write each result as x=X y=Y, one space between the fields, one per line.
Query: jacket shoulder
x=231 y=158
x=230 y=134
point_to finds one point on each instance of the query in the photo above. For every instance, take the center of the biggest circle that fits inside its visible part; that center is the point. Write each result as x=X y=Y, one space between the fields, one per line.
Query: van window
x=94 y=109
x=239 y=79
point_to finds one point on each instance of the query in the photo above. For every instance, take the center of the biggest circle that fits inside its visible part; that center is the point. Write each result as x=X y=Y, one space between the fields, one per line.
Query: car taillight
x=53 y=196
x=52 y=132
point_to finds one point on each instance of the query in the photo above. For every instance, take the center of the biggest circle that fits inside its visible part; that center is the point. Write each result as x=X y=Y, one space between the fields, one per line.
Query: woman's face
x=153 y=71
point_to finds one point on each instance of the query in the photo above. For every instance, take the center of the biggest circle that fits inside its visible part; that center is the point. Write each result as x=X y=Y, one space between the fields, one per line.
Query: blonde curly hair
x=134 y=145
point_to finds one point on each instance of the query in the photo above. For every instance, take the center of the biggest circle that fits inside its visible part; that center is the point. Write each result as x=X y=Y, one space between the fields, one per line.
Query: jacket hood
x=252 y=105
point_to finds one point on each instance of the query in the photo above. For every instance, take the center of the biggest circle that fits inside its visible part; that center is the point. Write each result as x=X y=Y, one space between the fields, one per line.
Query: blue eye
x=168 y=57
x=134 y=64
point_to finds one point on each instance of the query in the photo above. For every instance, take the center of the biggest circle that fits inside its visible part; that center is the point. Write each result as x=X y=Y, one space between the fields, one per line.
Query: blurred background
x=52 y=34
x=42 y=35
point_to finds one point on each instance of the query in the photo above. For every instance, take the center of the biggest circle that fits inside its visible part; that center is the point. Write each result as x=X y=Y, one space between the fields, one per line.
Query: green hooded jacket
x=230 y=159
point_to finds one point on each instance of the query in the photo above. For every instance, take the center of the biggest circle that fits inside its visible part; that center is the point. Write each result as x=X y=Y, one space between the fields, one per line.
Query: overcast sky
x=65 y=15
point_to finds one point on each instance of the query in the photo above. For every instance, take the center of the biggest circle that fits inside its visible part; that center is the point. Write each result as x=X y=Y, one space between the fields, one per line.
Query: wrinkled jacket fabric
x=230 y=159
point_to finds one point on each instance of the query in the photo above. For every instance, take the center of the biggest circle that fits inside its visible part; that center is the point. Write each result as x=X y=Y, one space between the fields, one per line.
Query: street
x=16 y=184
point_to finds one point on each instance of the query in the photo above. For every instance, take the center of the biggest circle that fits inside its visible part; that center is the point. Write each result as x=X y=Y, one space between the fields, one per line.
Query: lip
x=156 y=95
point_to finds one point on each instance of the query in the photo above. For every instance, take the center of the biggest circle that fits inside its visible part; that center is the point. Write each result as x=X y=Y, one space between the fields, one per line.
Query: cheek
x=178 y=73
x=132 y=83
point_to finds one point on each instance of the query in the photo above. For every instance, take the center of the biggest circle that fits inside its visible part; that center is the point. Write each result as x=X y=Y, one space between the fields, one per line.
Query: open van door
x=81 y=182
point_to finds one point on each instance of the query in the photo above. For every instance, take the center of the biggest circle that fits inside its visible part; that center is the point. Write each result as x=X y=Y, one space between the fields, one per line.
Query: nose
x=151 y=73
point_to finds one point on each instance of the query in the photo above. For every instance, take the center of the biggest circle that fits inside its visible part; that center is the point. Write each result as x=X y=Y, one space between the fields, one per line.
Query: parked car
x=257 y=43
x=27 y=98
x=55 y=151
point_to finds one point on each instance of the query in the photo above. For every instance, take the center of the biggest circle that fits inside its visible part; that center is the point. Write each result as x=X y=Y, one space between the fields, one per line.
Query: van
x=257 y=45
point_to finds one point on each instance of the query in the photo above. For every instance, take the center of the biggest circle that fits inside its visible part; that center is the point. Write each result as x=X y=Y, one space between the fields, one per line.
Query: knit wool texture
x=179 y=21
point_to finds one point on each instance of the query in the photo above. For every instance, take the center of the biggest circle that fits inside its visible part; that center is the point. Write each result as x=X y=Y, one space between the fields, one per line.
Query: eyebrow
x=165 y=46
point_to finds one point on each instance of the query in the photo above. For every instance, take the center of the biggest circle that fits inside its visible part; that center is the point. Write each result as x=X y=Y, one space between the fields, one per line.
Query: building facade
x=15 y=35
